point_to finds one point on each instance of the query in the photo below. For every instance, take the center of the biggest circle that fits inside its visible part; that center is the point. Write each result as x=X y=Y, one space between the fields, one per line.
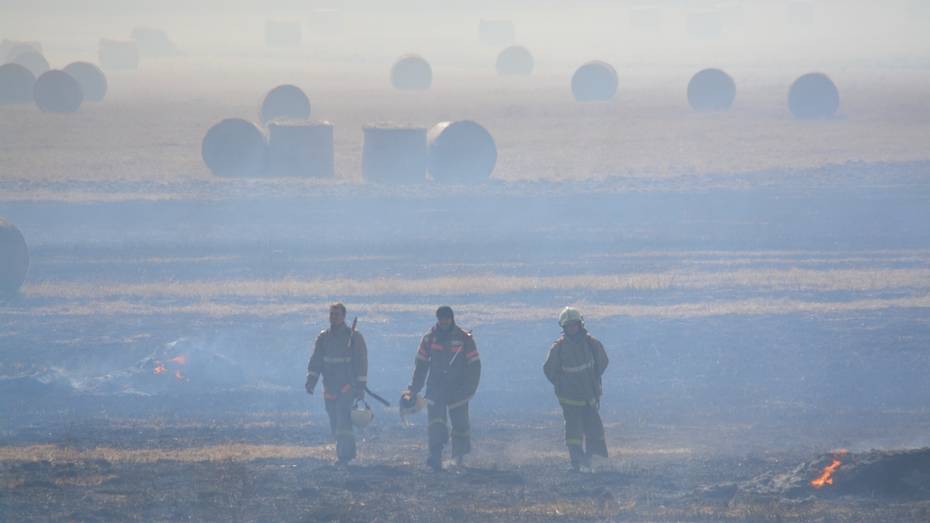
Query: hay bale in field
x=460 y=152
x=300 y=148
x=411 y=73
x=10 y=48
x=31 y=60
x=16 y=84
x=711 y=90
x=234 y=147
x=594 y=81
x=283 y=33
x=813 y=96
x=394 y=153
x=118 y=54
x=496 y=32
x=58 y=92
x=91 y=79
x=153 y=42
x=516 y=60
x=14 y=258
x=285 y=101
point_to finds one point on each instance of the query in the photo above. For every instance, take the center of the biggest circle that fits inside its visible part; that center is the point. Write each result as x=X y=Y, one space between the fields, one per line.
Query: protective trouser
x=584 y=433
x=340 y=421
x=439 y=430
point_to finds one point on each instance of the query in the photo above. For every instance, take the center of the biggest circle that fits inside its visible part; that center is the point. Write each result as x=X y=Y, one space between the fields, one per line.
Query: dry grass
x=475 y=313
x=856 y=280
x=228 y=452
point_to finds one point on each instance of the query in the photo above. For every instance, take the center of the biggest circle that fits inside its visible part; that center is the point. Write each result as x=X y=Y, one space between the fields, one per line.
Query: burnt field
x=761 y=311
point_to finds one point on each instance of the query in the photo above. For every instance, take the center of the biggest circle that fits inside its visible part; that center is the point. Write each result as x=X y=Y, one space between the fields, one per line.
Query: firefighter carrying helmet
x=570 y=314
x=362 y=414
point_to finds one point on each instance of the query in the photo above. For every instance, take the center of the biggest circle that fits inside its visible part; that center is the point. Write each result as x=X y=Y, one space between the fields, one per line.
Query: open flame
x=161 y=368
x=826 y=477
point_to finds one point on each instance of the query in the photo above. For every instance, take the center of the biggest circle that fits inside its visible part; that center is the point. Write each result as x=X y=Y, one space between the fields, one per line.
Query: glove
x=359 y=393
x=310 y=385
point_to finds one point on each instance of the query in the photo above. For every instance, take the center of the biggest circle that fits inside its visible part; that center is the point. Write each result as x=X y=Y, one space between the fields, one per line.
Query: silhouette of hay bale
x=31 y=60
x=813 y=96
x=515 y=60
x=234 y=147
x=14 y=258
x=711 y=90
x=91 y=79
x=118 y=54
x=10 y=48
x=460 y=152
x=594 y=81
x=300 y=148
x=283 y=33
x=411 y=73
x=394 y=153
x=153 y=42
x=58 y=92
x=285 y=101
x=16 y=84
x=496 y=32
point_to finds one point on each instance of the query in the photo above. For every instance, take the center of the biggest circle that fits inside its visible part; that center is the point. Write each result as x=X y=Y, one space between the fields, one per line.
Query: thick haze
x=763 y=34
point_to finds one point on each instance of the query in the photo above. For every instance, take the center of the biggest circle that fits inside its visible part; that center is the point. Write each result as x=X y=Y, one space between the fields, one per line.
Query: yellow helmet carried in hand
x=362 y=415
x=570 y=314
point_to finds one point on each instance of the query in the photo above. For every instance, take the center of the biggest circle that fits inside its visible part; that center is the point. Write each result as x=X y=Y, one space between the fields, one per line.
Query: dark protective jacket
x=575 y=366
x=449 y=365
x=343 y=368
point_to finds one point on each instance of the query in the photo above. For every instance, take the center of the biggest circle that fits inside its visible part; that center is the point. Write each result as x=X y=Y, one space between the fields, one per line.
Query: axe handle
x=381 y=400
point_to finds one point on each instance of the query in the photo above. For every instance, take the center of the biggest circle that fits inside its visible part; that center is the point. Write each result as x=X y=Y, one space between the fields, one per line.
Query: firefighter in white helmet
x=574 y=366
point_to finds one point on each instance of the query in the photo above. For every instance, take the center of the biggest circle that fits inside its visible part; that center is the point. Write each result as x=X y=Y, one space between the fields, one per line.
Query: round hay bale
x=711 y=90
x=92 y=80
x=31 y=60
x=16 y=84
x=285 y=101
x=813 y=96
x=394 y=153
x=118 y=54
x=58 y=92
x=301 y=148
x=594 y=81
x=153 y=42
x=496 y=32
x=283 y=33
x=461 y=152
x=14 y=258
x=516 y=60
x=10 y=48
x=234 y=147
x=411 y=73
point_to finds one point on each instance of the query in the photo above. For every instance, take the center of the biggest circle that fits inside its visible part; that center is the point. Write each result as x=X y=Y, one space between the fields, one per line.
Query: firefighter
x=341 y=357
x=574 y=366
x=447 y=363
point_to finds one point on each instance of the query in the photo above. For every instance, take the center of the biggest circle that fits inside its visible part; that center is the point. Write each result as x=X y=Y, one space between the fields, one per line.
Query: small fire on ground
x=177 y=362
x=826 y=477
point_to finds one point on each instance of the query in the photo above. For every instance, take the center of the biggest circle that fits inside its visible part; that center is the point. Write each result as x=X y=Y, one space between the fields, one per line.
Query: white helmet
x=570 y=314
x=362 y=414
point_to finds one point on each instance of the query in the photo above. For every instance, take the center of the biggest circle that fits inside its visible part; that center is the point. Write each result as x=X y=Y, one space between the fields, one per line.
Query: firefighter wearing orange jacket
x=447 y=363
x=341 y=357
x=574 y=366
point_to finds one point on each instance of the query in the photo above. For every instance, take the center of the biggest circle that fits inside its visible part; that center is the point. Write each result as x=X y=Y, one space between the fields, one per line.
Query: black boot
x=434 y=461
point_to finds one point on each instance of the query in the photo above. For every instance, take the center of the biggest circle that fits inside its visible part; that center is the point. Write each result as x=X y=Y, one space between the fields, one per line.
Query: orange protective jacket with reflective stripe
x=449 y=364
